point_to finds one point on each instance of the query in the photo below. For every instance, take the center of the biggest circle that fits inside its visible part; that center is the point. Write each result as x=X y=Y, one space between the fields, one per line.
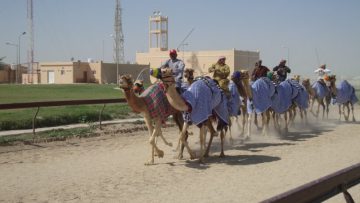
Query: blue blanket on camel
x=204 y=97
x=345 y=92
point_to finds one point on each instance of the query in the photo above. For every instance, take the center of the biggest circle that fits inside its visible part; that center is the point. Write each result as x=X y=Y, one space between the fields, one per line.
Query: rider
x=322 y=73
x=221 y=73
x=259 y=71
x=282 y=70
x=177 y=66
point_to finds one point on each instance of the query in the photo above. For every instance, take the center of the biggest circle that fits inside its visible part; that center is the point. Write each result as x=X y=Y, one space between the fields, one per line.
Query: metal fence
x=323 y=188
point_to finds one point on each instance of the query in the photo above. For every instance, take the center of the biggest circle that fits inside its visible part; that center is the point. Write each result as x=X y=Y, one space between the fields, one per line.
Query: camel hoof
x=180 y=156
x=222 y=155
x=215 y=134
x=206 y=155
x=160 y=153
x=151 y=162
x=170 y=144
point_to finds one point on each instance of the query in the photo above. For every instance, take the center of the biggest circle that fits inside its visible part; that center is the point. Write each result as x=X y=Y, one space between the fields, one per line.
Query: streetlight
x=19 y=64
x=17 y=56
x=115 y=37
x=288 y=54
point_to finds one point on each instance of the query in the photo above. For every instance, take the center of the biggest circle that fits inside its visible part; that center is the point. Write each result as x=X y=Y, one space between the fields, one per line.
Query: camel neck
x=135 y=102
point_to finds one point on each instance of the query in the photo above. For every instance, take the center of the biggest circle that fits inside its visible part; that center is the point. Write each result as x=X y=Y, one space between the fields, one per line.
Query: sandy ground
x=110 y=168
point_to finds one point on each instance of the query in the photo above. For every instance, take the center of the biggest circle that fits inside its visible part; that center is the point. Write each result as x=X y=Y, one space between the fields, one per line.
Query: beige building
x=88 y=72
x=202 y=60
x=198 y=60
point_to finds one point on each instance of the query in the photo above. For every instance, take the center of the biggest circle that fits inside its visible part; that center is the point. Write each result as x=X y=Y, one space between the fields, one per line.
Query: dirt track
x=110 y=168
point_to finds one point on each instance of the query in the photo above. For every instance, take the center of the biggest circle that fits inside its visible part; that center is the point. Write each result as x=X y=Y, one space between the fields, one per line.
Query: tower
x=158 y=32
x=119 y=36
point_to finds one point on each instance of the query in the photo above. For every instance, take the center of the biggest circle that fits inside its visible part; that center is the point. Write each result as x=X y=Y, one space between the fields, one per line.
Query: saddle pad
x=262 y=90
x=345 y=92
x=156 y=102
x=321 y=91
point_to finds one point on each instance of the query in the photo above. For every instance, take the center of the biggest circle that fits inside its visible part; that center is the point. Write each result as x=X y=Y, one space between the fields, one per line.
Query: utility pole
x=30 y=54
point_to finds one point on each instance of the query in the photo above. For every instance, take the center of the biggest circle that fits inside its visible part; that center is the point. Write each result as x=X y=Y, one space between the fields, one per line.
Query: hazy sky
x=313 y=31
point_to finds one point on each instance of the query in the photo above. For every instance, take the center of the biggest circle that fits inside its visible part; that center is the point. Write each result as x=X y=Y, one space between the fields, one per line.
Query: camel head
x=296 y=77
x=306 y=82
x=138 y=86
x=167 y=76
x=126 y=82
x=245 y=75
x=189 y=74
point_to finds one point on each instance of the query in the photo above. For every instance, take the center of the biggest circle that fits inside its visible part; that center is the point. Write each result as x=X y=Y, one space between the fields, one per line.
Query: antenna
x=317 y=57
x=187 y=36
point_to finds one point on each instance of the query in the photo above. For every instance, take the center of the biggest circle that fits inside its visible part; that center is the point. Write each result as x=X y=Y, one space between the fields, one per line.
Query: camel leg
x=245 y=117
x=256 y=121
x=159 y=152
x=266 y=120
x=286 y=122
x=249 y=126
x=327 y=110
x=184 y=142
x=352 y=111
x=348 y=111
x=222 y=137
x=301 y=115
x=178 y=118
x=212 y=134
x=163 y=138
x=230 y=124
x=339 y=112
x=150 y=131
x=202 y=143
x=312 y=106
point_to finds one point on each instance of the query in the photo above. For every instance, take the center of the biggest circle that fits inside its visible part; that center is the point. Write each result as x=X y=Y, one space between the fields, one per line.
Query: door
x=51 y=77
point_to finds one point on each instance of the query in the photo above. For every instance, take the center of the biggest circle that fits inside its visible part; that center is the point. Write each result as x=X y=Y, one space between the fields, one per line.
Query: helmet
x=236 y=74
x=270 y=75
x=172 y=52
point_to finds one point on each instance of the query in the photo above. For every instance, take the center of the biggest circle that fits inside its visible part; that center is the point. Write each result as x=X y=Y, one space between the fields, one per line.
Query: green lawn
x=52 y=116
x=30 y=93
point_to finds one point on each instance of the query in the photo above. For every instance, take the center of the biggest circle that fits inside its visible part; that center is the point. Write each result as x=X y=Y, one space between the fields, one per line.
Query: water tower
x=158 y=32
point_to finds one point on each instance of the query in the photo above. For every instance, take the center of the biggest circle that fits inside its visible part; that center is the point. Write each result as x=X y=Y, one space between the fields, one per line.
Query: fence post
x=34 y=119
x=102 y=109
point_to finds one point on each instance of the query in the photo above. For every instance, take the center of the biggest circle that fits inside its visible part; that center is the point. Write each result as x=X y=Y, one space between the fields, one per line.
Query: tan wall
x=63 y=72
x=202 y=60
x=84 y=72
x=7 y=75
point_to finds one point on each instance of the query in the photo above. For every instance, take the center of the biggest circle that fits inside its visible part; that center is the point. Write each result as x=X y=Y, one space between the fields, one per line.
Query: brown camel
x=139 y=105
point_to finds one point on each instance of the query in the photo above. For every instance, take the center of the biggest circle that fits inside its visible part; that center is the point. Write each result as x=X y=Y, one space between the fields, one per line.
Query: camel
x=282 y=101
x=318 y=92
x=245 y=92
x=195 y=105
x=139 y=104
x=301 y=101
x=259 y=102
x=236 y=89
x=344 y=96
